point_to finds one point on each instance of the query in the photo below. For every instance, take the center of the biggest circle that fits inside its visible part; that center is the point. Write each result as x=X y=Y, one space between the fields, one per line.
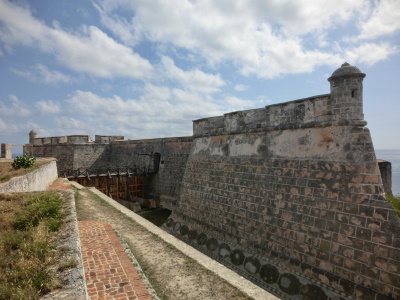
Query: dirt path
x=172 y=274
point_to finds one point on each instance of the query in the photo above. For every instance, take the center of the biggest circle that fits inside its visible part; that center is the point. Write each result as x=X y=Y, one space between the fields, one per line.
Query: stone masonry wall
x=73 y=152
x=63 y=153
x=320 y=218
x=291 y=197
x=112 y=152
x=174 y=152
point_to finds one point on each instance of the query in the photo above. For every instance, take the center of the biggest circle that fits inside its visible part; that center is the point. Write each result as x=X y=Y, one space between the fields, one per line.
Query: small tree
x=25 y=162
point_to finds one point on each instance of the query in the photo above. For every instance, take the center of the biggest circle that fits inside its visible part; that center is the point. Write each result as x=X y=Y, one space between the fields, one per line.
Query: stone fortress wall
x=289 y=195
x=111 y=152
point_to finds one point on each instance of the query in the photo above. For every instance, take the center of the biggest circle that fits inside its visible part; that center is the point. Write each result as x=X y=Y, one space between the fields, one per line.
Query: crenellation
x=302 y=113
x=107 y=138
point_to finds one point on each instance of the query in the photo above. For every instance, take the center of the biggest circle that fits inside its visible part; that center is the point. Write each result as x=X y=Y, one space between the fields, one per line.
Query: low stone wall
x=37 y=180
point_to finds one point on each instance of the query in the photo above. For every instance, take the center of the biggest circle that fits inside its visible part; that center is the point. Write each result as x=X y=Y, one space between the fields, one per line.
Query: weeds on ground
x=150 y=274
x=395 y=202
x=28 y=223
x=100 y=200
x=190 y=262
x=69 y=264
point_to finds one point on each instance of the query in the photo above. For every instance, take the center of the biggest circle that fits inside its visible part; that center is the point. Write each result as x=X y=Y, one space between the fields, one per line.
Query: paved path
x=59 y=184
x=108 y=270
x=177 y=270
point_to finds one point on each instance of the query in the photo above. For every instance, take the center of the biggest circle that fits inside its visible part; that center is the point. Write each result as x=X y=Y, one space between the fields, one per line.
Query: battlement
x=75 y=139
x=309 y=112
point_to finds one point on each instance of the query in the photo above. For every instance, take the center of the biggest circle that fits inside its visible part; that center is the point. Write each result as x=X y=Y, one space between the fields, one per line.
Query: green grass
x=28 y=224
x=395 y=202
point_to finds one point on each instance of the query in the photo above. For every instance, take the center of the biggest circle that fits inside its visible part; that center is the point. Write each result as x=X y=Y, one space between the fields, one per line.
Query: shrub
x=24 y=162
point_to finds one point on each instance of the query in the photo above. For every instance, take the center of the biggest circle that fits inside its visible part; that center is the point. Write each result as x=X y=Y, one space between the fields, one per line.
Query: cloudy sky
x=147 y=68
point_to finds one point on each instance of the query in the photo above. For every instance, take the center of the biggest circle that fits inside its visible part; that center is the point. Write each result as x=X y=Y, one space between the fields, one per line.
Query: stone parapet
x=69 y=139
x=303 y=113
x=107 y=138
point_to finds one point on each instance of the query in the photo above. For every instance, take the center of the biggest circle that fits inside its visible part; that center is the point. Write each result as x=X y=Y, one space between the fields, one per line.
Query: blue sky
x=147 y=68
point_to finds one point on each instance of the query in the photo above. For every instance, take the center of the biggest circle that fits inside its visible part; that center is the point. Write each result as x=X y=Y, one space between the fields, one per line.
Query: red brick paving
x=108 y=270
x=59 y=184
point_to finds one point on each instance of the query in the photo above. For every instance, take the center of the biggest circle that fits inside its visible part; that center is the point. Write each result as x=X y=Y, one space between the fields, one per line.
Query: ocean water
x=392 y=156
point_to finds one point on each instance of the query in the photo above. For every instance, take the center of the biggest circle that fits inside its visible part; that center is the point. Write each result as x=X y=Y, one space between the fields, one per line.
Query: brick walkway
x=59 y=184
x=108 y=270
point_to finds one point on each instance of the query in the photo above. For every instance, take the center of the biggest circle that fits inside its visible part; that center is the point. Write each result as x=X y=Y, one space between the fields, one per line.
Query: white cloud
x=69 y=125
x=240 y=87
x=91 y=52
x=40 y=73
x=385 y=20
x=14 y=107
x=262 y=38
x=160 y=111
x=127 y=30
x=194 y=80
x=370 y=53
x=236 y=104
x=98 y=54
x=3 y=125
x=48 y=107
x=22 y=128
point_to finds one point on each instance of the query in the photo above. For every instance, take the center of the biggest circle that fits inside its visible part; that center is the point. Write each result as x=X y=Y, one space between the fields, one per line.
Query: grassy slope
x=28 y=223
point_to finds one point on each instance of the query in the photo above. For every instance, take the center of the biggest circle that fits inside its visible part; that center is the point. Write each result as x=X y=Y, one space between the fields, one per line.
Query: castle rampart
x=81 y=152
x=289 y=195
